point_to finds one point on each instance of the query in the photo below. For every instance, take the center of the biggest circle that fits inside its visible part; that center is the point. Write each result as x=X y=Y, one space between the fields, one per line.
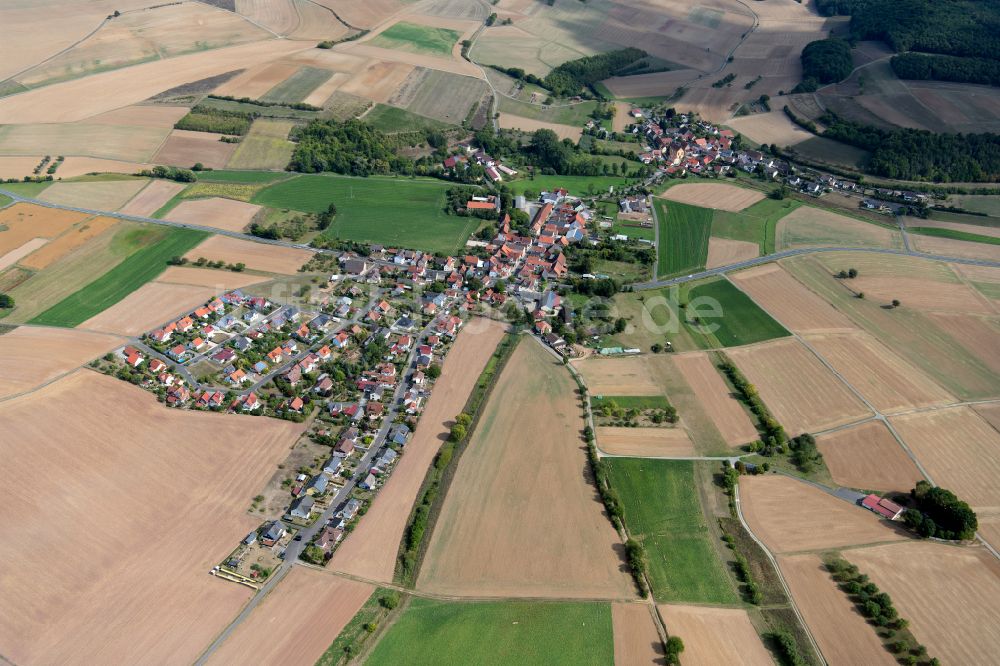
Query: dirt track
x=116 y=540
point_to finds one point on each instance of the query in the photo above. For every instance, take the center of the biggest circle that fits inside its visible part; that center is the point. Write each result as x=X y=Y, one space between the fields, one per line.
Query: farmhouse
x=882 y=506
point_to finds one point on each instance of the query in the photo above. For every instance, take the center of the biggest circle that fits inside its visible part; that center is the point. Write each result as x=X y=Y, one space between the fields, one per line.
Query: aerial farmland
x=518 y=332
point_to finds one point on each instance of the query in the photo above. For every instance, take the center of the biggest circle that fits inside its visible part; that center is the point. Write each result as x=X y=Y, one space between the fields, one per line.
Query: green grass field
x=955 y=235
x=416 y=38
x=297 y=86
x=577 y=185
x=136 y=270
x=755 y=224
x=393 y=120
x=32 y=189
x=663 y=512
x=684 y=232
x=441 y=633
x=575 y=115
x=988 y=204
x=266 y=146
x=631 y=401
x=398 y=212
x=4 y=200
x=742 y=322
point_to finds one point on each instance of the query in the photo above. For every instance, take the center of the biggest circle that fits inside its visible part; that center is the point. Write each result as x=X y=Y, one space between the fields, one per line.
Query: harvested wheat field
x=18 y=166
x=799 y=390
x=370 y=551
x=256 y=256
x=510 y=121
x=644 y=442
x=959 y=450
x=656 y=84
x=884 y=379
x=127 y=143
x=635 y=636
x=990 y=412
x=724 y=251
x=215 y=212
x=521 y=517
x=147 y=307
x=96 y=195
x=66 y=243
x=18 y=253
x=979 y=336
x=843 y=635
x=713 y=195
x=715 y=636
x=629 y=375
x=255 y=81
x=277 y=15
x=78 y=165
x=788 y=301
x=950 y=247
x=99 y=93
x=721 y=405
x=807 y=226
x=922 y=294
x=771 y=127
x=140 y=115
x=867 y=456
x=184 y=148
x=146 y=596
x=954 y=608
x=152 y=197
x=297 y=621
x=31 y=356
x=789 y=515
x=220 y=280
x=989 y=529
x=22 y=222
x=378 y=80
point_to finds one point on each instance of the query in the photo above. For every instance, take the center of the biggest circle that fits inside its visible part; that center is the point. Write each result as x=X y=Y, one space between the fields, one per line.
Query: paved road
x=307 y=533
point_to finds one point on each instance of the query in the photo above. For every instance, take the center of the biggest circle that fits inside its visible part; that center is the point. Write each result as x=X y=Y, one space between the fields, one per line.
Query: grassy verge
x=439 y=477
x=740 y=321
x=136 y=270
x=631 y=401
x=662 y=511
x=441 y=632
x=683 y=234
x=353 y=637
x=5 y=200
x=954 y=235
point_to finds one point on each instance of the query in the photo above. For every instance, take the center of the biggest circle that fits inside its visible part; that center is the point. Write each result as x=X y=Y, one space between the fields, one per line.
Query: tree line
x=924 y=67
x=912 y=154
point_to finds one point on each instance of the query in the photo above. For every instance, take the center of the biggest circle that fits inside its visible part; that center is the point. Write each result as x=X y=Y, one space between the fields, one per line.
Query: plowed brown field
x=887 y=381
x=643 y=442
x=954 y=607
x=147 y=307
x=868 y=457
x=521 y=517
x=725 y=411
x=618 y=376
x=798 y=389
x=636 y=638
x=256 y=256
x=184 y=148
x=215 y=212
x=296 y=623
x=843 y=635
x=713 y=195
x=370 y=551
x=172 y=502
x=715 y=635
x=152 y=198
x=31 y=355
x=724 y=251
x=788 y=301
x=959 y=450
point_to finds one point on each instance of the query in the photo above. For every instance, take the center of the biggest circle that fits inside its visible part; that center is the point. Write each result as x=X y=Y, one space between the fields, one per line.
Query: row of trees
x=911 y=154
x=947 y=68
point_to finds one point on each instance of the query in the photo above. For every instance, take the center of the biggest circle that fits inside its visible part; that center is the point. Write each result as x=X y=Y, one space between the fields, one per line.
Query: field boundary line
x=781 y=577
